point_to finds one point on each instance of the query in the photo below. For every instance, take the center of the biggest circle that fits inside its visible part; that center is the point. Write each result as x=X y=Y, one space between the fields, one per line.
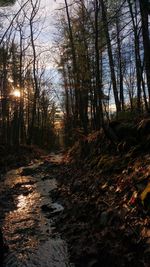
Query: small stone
x=104 y=218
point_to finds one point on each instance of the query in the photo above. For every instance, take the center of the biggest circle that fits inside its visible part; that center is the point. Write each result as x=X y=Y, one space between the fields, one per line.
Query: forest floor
x=106 y=195
x=104 y=220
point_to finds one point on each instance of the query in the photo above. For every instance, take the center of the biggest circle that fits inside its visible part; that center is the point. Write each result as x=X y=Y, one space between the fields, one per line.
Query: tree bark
x=110 y=54
x=98 y=89
x=74 y=61
x=144 y=9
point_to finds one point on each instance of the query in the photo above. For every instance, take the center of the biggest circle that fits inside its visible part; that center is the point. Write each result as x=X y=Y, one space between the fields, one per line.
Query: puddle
x=28 y=232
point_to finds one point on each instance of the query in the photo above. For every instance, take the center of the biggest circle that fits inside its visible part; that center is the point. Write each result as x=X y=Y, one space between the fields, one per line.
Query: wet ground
x=26 y=218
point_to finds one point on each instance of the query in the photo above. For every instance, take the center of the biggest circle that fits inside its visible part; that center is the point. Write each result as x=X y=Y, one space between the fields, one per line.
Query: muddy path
x=26 y=216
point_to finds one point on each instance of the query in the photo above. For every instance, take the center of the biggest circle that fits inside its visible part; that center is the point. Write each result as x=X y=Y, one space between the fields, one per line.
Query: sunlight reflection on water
x=28 y=232
x=22 y=202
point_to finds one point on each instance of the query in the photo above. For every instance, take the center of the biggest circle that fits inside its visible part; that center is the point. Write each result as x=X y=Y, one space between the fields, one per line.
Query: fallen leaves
x=145 y=197
x=104 y=211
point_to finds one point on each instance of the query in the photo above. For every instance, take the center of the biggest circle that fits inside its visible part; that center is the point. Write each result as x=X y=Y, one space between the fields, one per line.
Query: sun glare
x=16 y=93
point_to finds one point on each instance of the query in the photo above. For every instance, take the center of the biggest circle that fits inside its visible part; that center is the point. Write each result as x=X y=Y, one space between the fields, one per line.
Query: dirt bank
x=12 y=157
x=105 y=219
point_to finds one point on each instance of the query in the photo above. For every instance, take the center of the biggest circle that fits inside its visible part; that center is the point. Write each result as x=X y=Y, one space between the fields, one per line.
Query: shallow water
x=28 y=231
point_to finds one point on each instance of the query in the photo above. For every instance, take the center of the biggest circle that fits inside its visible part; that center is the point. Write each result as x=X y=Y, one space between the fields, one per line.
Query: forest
x=74 y=133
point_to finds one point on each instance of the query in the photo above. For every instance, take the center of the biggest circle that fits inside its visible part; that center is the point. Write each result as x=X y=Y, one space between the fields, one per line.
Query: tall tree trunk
x=110 y=54
x=137 y=54
x=4 y=97
x=98 y=89
x=36 y=87
x=120 y=63
x=21 y=86
x=74 y=61
x=144 y=8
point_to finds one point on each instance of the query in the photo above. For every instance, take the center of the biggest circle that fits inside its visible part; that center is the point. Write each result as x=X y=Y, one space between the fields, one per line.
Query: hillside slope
x=105 y=191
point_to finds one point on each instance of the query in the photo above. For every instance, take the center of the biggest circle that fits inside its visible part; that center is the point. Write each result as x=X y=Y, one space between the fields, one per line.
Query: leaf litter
x=105 y=219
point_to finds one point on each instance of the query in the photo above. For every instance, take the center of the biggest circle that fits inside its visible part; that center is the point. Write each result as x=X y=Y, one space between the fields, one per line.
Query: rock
x=46 y=208
x=27 y=171
x=50 y=166
x=76 y=186
x=104 y=218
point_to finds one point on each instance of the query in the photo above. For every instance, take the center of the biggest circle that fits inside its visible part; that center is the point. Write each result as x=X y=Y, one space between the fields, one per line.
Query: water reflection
x=22 y=202
x=28 y=232
x=21 y=225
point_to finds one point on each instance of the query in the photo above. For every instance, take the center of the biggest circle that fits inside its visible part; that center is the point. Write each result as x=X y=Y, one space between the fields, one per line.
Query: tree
x=110 y=54
x=24 y=98
x=144 y=9
x=98 y=89
x=7 y=2
x=137 y=52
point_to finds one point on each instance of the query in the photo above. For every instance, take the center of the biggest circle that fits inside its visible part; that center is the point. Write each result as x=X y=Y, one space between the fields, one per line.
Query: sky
x=48 y=34
x=50 y=8
x=48 y=14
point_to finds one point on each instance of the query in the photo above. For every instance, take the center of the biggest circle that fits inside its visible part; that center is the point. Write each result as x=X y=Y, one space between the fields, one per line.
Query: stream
x=26 y=217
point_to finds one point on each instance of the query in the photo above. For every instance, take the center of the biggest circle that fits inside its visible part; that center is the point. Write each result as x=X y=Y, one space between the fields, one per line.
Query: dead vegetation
x=106 y=193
